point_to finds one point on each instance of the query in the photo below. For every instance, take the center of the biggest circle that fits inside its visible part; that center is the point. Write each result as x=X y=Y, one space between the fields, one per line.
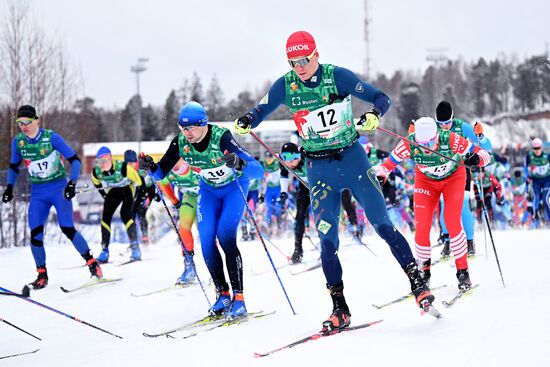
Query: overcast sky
x=242 y=41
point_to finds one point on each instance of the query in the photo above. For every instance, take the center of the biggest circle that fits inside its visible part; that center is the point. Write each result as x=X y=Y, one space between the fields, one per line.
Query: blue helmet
x=103 y=151
x=192 y=113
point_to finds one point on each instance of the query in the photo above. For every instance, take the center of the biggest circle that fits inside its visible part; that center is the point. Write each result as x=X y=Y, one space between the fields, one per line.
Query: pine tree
x=214 y=101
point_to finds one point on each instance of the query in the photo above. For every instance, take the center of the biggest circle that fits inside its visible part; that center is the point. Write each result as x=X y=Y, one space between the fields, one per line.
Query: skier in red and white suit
x=436 y=176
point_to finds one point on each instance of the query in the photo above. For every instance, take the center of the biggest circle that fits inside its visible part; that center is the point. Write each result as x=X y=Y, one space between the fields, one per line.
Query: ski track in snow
x=494 y=326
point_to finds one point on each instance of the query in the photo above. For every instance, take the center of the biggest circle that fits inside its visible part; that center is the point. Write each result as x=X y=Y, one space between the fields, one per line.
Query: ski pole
x=482 y=197
x=185 y=252
x=261 y=238
x=490 y=234
x=28 y=299
x=279 y=159
x=18 y=328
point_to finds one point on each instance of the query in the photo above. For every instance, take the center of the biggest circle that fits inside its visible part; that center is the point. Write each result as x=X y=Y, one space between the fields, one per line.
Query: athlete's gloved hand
x=243 y=125
x=232 y=160
x=178 y=204
x=261 y=199
x=147 y=163
x=478 y=129
x=157 y=197
x=281 y=200
x=369 y=121
x=8 y=194
x=70 y=190
x=382 y=174
x=102 y=193
x=500 y=201
x=472 y=160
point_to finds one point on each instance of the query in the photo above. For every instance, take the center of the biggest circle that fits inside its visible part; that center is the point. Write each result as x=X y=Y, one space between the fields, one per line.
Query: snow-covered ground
x=494 y=326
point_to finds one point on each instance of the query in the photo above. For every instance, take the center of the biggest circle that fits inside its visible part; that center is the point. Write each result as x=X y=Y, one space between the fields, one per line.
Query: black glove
x=281 y=200
x=102 y=193
x=232 y=160
x=157 y=197
x=381 y=180
x=70 y=190
x=500 y=201
x=472 y=160
x=260 y=199
x=8 y=194
x=243 y=125
x=146 y=163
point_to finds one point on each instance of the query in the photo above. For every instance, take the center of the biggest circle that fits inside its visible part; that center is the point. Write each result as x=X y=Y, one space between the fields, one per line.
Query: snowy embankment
x=494 y=326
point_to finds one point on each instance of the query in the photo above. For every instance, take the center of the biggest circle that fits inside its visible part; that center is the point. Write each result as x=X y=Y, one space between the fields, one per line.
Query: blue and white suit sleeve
x=66 y=151
x=253 y=168
x=15 y=161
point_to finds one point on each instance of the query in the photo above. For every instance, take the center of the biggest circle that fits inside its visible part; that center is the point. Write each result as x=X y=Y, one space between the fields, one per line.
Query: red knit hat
x=300 y=44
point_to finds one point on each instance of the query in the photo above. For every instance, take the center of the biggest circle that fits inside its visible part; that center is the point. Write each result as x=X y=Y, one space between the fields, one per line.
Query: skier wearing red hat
x=319 y=98
x=436 y=176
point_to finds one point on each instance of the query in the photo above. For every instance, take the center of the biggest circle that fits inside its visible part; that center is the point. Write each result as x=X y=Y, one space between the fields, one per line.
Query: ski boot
x=446 y=252
x=189 y=273
x=425 y=273
x=237 y=308
x=42 y=279
x=103 y=257
x=222 y=304
x=419 y=288
x=298 y=255
x=340 y=317
x=464 y=282
x=95 y=269
x=471 y=248
x=136 y=252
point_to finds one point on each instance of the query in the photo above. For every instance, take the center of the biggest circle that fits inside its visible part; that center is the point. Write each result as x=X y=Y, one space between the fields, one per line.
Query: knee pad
x=35 y=232
x=70 y=232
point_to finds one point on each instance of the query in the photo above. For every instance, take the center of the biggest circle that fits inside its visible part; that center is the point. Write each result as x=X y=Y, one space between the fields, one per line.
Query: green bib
x=321 y=126
x=42 y=160
x=518 y=185
x=539 y=167
x=373 y=157
x=213 y=170
x=114 y=180
x=272 y=173
x=189 y=181
x=432 y=165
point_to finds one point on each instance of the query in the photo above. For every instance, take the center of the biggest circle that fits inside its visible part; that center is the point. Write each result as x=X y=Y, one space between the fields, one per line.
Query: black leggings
x=114 y=197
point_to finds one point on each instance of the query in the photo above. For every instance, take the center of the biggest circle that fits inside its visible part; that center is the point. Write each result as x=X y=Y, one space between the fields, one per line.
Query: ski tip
x=259 y=355
x=26 y=291
x=64 y=290
x=376 y=306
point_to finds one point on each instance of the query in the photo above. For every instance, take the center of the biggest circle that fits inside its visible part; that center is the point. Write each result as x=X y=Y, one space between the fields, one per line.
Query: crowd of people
x=444 y=173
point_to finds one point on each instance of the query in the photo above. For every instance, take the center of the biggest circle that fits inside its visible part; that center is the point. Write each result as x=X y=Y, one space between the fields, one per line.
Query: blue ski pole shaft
x=18 y=328
x=262 y=240
x=28 y=299
x=185 y=252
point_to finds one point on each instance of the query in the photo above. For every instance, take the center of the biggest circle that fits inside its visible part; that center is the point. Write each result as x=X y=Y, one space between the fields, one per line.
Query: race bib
x=438 y=171
x=217 y=175
x=45 y=167
x=325 y=122
x=540 y=170
x=273 y=177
